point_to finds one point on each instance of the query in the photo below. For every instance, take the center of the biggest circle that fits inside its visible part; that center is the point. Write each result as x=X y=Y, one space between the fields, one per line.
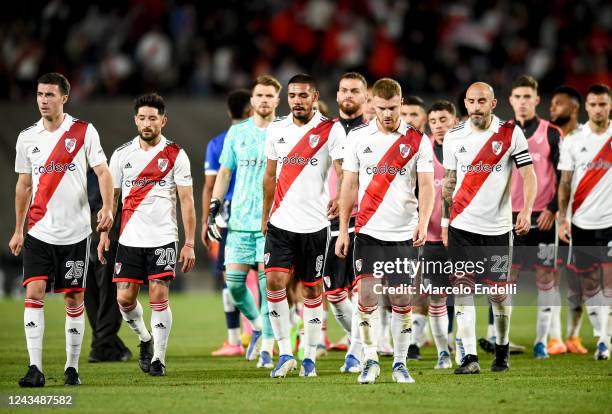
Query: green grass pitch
x=197 y=382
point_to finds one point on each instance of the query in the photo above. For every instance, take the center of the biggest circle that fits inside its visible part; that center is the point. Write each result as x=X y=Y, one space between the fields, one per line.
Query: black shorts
x=302 y=253
x=141 y=264
x=478 y=258
x=536 y=248
x=590 y=249
x=64 y=267
x=435 y=263
x=339 y=274
x=378 y=258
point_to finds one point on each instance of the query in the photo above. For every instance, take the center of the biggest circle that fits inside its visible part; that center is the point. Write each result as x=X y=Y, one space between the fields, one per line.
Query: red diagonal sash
x=303 y=149
x=153 y=173
x=49 y=181
x=377 y=188
x=593 y=175
x=473 y=181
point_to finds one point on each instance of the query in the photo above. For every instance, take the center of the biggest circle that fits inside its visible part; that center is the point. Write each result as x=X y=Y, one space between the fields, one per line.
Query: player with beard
x=586 y=180
x=244 y=153
x=564 y=112
x=148 y=172
x=295 y=218
x=339 y=275
x=478 y=158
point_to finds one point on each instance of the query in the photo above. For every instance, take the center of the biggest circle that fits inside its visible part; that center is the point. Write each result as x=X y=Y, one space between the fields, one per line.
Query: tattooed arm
x=448 y=188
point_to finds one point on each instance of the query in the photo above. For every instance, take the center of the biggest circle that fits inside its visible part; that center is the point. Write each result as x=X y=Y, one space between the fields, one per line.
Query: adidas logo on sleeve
x=367 y=150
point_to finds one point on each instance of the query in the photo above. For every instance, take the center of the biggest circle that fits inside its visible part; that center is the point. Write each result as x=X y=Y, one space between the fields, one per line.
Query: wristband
x=444 y=222
x=189 y=245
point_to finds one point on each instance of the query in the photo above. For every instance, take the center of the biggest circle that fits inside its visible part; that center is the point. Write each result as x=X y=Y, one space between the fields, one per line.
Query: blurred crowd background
x=192 y=48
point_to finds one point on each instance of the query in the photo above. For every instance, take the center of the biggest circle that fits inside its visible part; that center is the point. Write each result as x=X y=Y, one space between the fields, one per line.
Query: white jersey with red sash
x=589 y=156
x=387 y=165
x=434 y=230
x=483 y=162
x=539 y=149
x=304 y=155
x=58 y=161
x=148 y=181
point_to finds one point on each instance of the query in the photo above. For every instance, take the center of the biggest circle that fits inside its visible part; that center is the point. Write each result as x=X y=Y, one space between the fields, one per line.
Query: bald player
x=478 y=159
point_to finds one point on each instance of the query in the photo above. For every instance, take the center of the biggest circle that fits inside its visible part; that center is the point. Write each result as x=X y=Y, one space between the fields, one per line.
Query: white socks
x=465 y=312
x=438 y=319
x=161 y=324
x=401 y=330
x=369 y=321
x=342 y=308
x=34 y=325
x=74 y=329
x=313 y=326
x=133 y=316
x=279 y=319
x=502 y=311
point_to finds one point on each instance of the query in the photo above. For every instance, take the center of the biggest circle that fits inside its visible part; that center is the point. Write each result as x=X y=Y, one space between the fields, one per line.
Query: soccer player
x=414 y=113
x=148 y=172
x=238 y=108
x=441 y=117
x=586 y=180
x=478 y=157
x=338 y=274
x=368 y=109
x=296 y=226
x=537 y=249
x=564 y=113
x=52 y=159
x=382 y=161
x=244 y=153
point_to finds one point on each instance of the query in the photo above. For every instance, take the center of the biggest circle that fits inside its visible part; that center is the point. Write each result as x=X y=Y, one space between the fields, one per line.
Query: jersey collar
x=64 y=126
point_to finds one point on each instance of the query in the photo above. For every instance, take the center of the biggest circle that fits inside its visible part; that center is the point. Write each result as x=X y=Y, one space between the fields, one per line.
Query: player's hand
x=523 y=222
x=419 y=236
x=213 y=230
x=445 y=236
x=105 y=219
x=16 y=243
x=103 y=246
x=204 y=236
x=264 y=226
x=342 y=245
x=187 y=258
x=333 y=209
x=545 y=220
x=564 y=230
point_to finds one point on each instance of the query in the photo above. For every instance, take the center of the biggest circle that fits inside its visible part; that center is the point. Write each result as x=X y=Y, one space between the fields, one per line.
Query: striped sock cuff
x=129 y=308
x=233 y=275
x=33 y=303
x=276 y=295
x=401 y=309
x=437 y=310
x=337 y=297
x=159 y=306
x=366 y=309
x=75 y=312
x=313 y=303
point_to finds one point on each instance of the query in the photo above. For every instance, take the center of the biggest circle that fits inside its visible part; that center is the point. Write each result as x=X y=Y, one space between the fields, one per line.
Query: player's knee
x=35 y=290
x=312 y=291
x=275 y=281
x=236 y=289
x=125 y=301
x=73 y=299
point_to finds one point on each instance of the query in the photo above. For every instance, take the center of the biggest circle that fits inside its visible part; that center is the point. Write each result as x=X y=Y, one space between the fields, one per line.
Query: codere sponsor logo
x=386 y=169
x=143 y=182
x=298 y=160
x=54 y=167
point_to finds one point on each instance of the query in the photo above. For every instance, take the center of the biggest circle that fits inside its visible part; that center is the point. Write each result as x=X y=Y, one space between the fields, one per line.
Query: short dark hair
x=599 y=89
x=357 y=76
x=54 y=78
x=152 y=100
x=525 y=81
x=415 y=100
x=239 y=103
x=303 y=78
x=569 y=91
x=386 y=88
x=442 y=105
